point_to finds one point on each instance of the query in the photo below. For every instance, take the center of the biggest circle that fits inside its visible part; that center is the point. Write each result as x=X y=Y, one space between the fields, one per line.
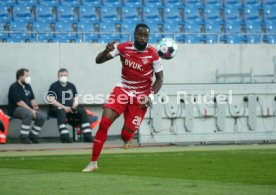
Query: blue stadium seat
x=136 y=3
x=110 y=13
x=4 y=37
x=269 y=12
x=23 y=12
x=19 y=26
x=211 y=38
x=270 y=39
x=128 y=26
x=27 y=2
x=232 y=12
x=251 y=12
x=253 y=26
x=157 y=3
x=172 y=3
x=193 y=26
x=48 y=2
x=232 y=2
x=95 y=3
x=269 y=2
x=213 y=2
x=191 y=12
x=65 y=26
x=172 y=13
x=108 y=26
x=251 y=2
x=194 y=3
x=232 y=26
x=173 y=27
x=88 y=12
x=45 y=13
x=180 y=38
x=21 y=38
x=65 y=38
x=154 y=27
x=113 y=3
x=91 y=38
x=42 y=26
x=234 y=39
x=130 y=13
x=253 y=39
x=46 y=38
x=74 y=3
x=67 y=13
x=194 y=39
x=7 y=2
x=86 y=26
x=155 y=38
x=107 y=38
x=270 y=27
x=213 y=26
x=151 y=13
x=4 y=14
x=212 y=12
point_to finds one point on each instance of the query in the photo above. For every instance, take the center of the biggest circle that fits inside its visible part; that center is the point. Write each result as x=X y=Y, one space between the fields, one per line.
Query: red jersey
x=138 y=67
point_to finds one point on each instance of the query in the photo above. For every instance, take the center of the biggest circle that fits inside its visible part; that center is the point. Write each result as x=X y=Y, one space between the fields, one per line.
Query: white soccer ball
x=167 y=48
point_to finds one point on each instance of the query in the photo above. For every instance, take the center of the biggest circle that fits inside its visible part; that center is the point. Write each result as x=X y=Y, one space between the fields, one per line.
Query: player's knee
x=127 y=135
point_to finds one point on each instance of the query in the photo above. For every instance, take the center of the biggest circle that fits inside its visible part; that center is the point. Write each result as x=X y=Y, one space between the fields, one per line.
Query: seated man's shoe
x=65 y=138
x=25 y=140
x=33 y=138
x=87 y=137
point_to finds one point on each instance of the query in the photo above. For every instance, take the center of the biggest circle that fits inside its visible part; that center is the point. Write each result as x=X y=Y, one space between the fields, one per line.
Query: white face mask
x=28 y=80
x=63 y=79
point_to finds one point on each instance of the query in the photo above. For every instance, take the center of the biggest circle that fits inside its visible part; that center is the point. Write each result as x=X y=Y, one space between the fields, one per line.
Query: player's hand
x=110 y=47
x=146 y=102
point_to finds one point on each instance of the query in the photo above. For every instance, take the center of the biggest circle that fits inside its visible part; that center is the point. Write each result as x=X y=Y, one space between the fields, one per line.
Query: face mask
x=28 y=80
x=140 y=46
x=63 y=79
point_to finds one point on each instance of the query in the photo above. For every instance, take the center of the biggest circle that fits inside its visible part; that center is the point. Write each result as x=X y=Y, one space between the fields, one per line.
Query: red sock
x=100 y=138
x=126 y=135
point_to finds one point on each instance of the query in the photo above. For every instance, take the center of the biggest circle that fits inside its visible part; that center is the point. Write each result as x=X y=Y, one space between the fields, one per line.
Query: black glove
x=2 y=128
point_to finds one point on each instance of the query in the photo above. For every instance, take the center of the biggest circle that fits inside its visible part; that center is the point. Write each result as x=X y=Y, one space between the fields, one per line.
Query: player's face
x=141 y=38
x=63 y=74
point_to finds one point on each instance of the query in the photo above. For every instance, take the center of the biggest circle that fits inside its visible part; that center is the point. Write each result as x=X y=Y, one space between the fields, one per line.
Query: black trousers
x=79 y=117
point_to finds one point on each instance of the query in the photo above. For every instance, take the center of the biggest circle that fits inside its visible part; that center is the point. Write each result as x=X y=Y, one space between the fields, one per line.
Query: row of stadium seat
x=137 y=2
x=215 y=26
x=104 y=38
x=175 y=13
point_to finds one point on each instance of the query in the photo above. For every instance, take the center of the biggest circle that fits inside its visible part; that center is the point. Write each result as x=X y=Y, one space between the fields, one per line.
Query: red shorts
x=121 y=102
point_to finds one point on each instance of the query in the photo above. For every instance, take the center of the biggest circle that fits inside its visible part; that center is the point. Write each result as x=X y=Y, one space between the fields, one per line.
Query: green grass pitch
x=188 y=172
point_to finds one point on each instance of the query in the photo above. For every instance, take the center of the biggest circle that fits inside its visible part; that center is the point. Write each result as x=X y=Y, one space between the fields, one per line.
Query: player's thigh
x=134 y=116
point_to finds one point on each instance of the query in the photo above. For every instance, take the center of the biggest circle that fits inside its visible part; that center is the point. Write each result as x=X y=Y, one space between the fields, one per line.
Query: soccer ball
x=167 y=48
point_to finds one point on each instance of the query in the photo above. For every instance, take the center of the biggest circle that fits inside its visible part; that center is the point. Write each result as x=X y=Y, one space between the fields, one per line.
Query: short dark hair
x=21 y=72
x=62 y=70
x=141 y=25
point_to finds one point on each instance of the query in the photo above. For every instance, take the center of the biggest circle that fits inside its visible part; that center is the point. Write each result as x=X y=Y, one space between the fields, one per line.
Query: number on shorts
x=137 y=120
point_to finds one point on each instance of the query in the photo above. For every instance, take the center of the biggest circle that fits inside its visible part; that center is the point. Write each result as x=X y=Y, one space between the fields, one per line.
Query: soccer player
x=140 y=62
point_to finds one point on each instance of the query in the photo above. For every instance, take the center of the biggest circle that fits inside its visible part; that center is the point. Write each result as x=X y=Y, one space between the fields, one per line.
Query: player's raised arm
x=105 y=55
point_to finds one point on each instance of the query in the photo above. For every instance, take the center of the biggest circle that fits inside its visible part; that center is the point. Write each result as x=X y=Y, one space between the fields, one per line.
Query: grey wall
x=193 y=64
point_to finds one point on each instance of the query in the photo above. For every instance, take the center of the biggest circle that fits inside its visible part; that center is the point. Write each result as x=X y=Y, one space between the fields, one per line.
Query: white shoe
x=92 y=166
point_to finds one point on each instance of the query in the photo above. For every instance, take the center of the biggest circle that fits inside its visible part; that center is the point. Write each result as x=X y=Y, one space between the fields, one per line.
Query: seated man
x=62 y=97
x=22 y=105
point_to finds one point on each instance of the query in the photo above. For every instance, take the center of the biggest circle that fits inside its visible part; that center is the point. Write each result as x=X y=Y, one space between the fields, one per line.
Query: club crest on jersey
x=145 y=60
x=133 y=65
